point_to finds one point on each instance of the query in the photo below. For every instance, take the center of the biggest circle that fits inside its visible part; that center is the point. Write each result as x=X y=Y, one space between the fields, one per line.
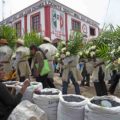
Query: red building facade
x=52 y=19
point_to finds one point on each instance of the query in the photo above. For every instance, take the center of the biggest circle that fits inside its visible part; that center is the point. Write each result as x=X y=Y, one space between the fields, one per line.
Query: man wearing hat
x=3 y=42
x=46 y=40
x=5 y=56
x=21 y=63
x=48 y=48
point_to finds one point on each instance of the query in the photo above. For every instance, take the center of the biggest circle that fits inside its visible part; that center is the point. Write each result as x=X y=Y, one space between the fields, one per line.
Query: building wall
x=85 y=27
x=55 y=20
x=22 y=24
x=70 y=23
x=42 y=21
x=59 y=31
x=57 y=24
x=22 y=20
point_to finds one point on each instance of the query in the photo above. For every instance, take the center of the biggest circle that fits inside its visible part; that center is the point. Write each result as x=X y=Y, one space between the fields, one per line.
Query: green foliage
x=32 y=38
x=87 y=50
x=102 y=51
x=9 y=34
x=75 y=43
x=61 y=44
x=108 y=43
x=105 y=46
x=70 y=47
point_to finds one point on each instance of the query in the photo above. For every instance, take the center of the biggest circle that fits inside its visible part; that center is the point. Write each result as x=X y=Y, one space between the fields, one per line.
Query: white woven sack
x=28 y=95
x=24 y=52
x=96 y=112
x=74 y=59
x=5 y=53
x=48 y=103
x=90 y=67
x=27 y=111
x=71 y=110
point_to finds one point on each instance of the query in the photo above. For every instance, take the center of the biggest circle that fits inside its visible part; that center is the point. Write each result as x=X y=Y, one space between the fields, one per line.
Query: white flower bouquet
x=69 y=49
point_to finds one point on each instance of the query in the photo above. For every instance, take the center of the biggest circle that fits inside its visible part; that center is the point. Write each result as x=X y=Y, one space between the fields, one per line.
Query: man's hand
x=24 y=86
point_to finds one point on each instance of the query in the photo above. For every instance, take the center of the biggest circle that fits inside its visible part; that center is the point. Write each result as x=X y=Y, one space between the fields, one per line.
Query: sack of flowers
x=103 y=108
x=27 y=111
x=48 y=99
x=71 y=107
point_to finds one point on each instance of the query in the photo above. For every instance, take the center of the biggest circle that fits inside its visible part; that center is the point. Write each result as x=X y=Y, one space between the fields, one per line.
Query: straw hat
x=20 y=41
x=47 y=39
x=3 y=41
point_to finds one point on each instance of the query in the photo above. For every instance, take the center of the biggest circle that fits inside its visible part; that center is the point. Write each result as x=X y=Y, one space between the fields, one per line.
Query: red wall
x=47 y=22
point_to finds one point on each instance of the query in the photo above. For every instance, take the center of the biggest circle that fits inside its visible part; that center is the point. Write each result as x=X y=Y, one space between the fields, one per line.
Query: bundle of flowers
x=75 y=43
x=70 y=47
x=108 y=47
x=33 y=38
x=61 y=51
x=88 y=51
x=114 y=61
x=8 y=33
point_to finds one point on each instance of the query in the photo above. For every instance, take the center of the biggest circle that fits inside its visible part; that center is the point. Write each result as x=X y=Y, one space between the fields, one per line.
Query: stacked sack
x=103 y=108
x=48 y=100
x=71 y=107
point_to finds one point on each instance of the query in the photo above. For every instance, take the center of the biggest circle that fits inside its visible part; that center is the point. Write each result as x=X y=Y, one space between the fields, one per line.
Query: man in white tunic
x=21 y=62
x=5 y=56
x=70 y=71
x=49 y=51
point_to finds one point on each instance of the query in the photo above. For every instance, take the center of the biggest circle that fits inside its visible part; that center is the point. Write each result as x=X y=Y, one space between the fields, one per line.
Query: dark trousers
x=22 y=79
x=86 y=77
x=61 y=73
x=65 y=84
x=43 y=80
x=114 y=83
x=50 y=82
x=46 y=82
x=100 y=88
x=100 y=85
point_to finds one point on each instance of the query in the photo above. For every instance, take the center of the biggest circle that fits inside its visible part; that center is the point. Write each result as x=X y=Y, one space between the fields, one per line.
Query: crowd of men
x=26 y=62
x=22 y=63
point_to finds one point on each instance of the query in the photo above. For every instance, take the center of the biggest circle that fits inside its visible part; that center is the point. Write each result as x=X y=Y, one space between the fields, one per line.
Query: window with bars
x=35 y=22
x=18 y=28
x=76 y=25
